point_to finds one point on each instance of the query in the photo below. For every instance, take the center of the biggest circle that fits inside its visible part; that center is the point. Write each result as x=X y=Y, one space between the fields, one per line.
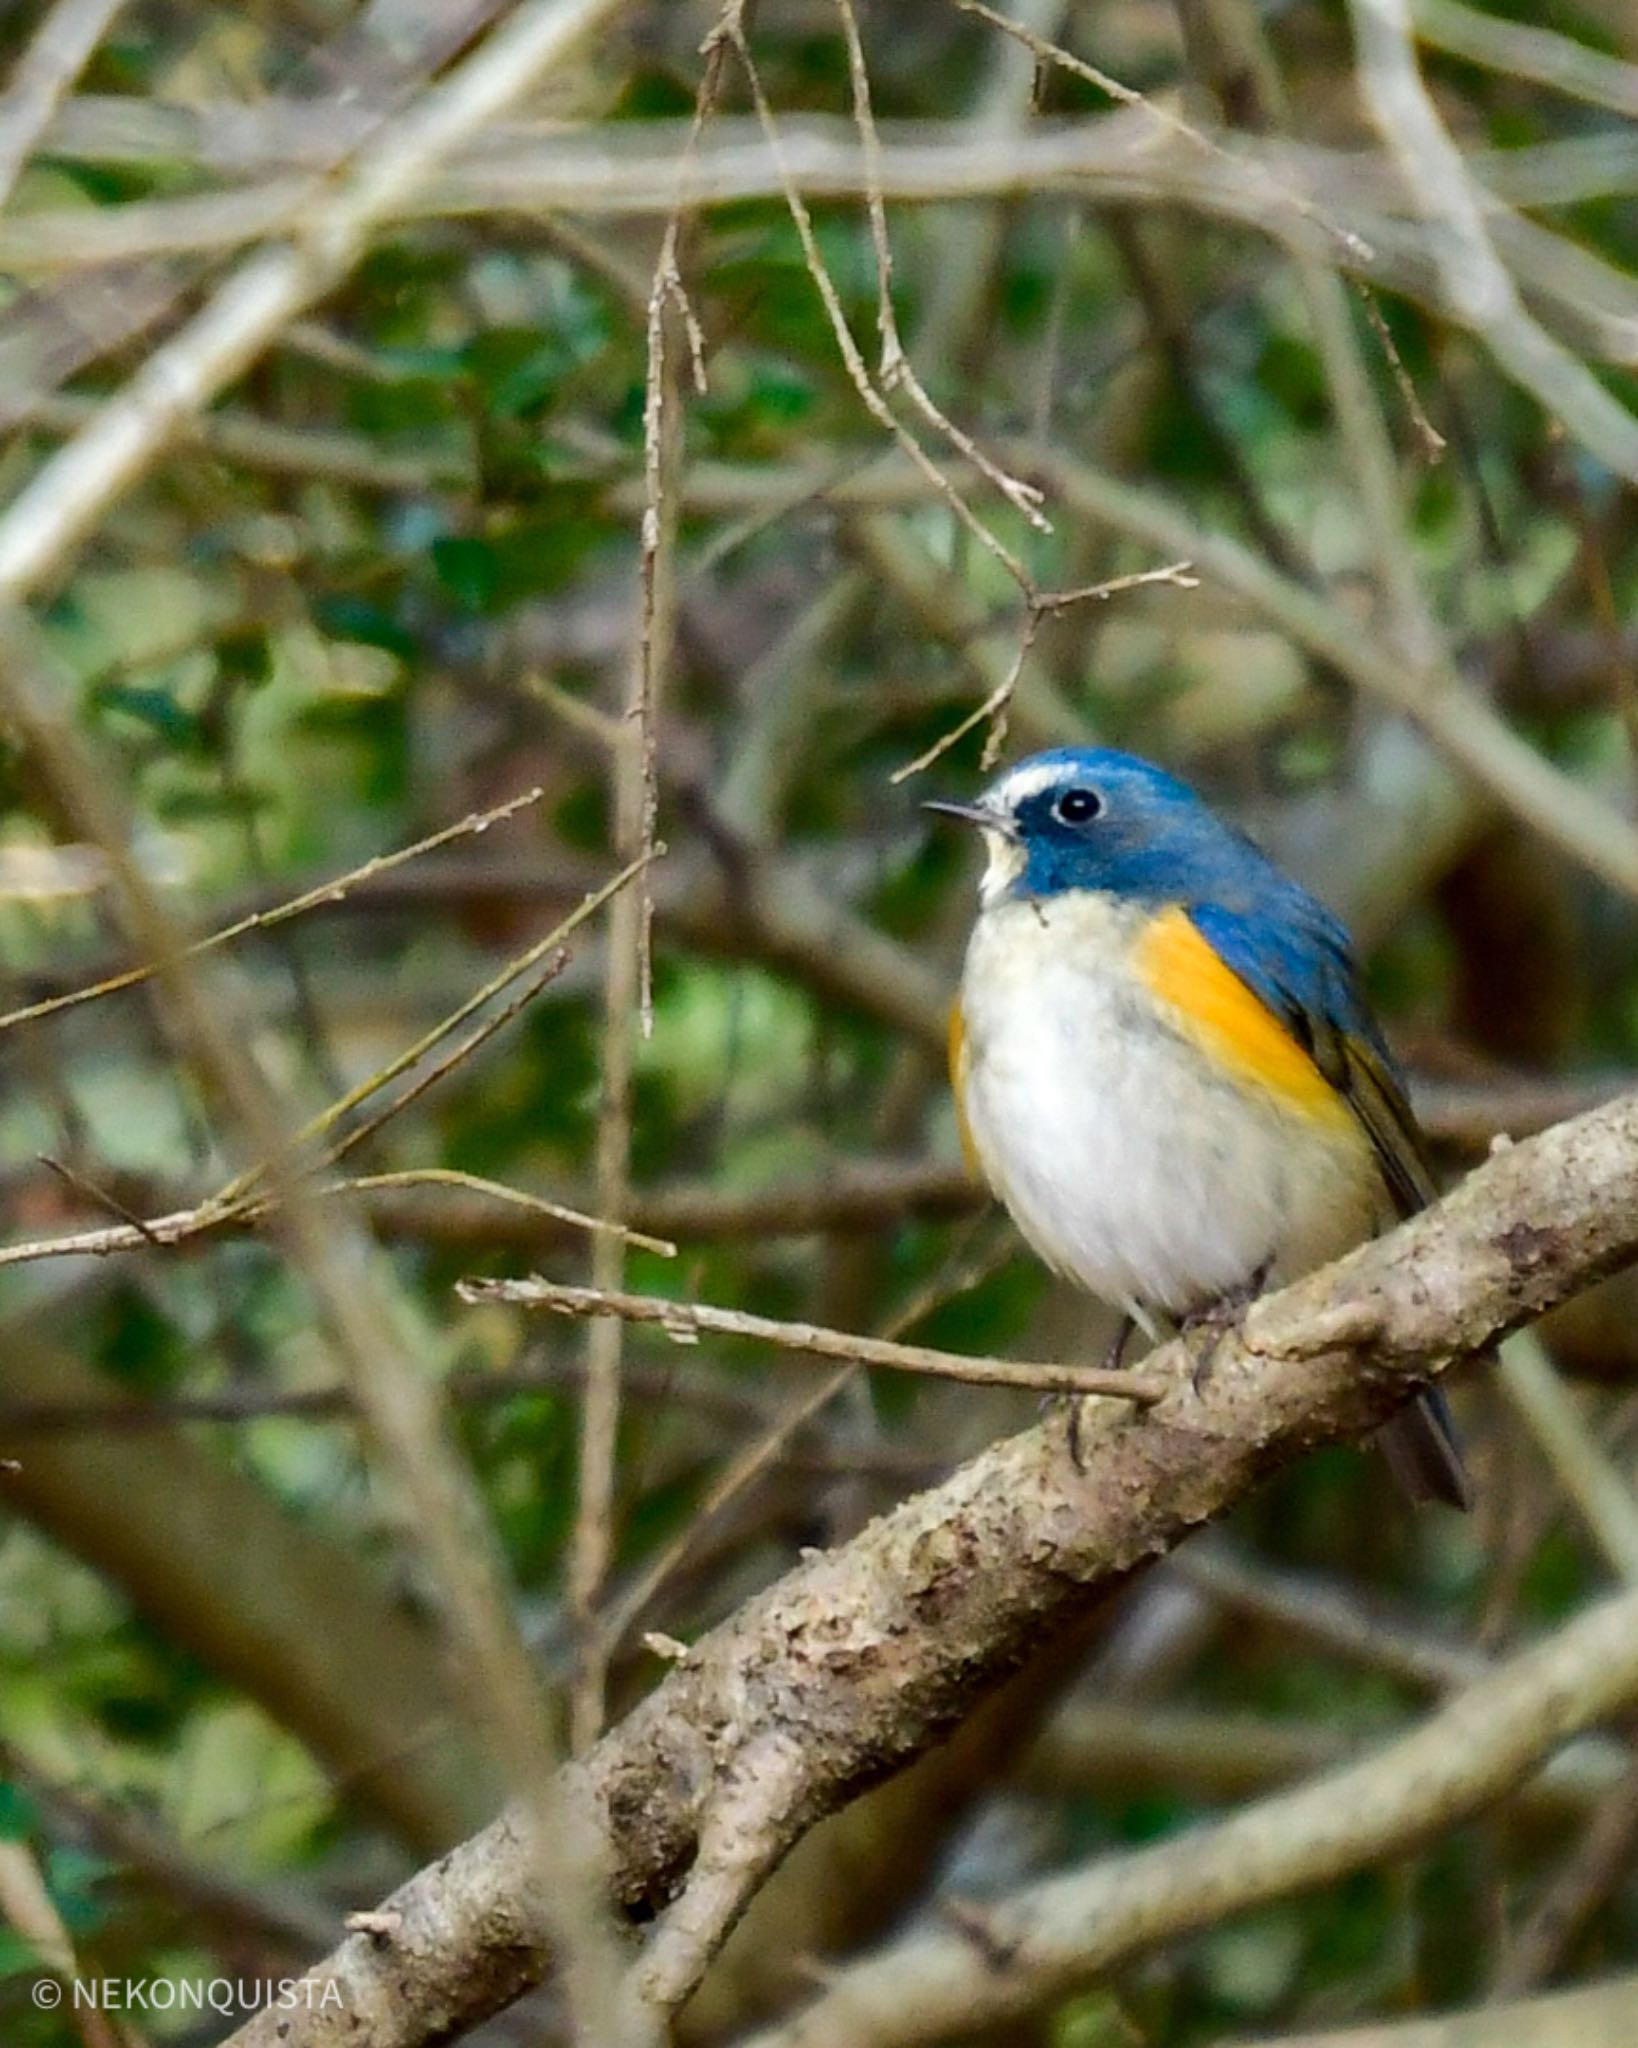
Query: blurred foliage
x=387 y=619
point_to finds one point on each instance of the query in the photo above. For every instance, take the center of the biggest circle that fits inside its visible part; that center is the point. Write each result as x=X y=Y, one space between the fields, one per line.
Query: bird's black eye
x=1078 y=806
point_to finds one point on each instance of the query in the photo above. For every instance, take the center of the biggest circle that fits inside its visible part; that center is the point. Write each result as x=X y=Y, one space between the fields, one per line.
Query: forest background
x=504 y=513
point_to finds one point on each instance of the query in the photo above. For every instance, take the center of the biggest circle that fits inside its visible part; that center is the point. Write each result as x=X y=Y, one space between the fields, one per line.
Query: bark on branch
x=863 y=1657
x=1021 y=1952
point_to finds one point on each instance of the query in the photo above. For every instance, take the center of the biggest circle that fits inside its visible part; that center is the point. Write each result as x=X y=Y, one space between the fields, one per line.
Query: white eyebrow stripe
x=1027 y=781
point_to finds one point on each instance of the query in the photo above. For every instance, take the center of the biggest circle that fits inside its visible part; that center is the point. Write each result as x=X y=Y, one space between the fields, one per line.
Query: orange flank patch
x=958 y=1087
x=1212 y=1006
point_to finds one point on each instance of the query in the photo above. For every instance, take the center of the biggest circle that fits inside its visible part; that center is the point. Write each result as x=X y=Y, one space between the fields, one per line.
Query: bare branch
x=628 y=971
x=875 y=404
x=61 y=504
x=685 y=1322
x=1071 y=1929
x=896 y=371
x=28 y=1908
x=1584 y=1468
x=863 y=1656
x=626 y=170
x=1525 y=51
x=552 y=966
x=445 y=1520
x=1477 y=281
x=541 y=950
x=215 y=1215
x=61 y=48
x=1047 y=52
x=997 y=705
x=321 y=894
x=1596 y=2015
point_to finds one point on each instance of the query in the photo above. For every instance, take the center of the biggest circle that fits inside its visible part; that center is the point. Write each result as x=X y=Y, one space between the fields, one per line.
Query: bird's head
x=1092 y=818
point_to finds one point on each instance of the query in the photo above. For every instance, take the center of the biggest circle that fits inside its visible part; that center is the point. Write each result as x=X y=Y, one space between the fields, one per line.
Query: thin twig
x=322 y=893
x=100 y=1196
x=767 y=1445
x=63 y=501
x=215 y=1214
x=1600 y=1490
x=896 y=371
x=993 y=708
x=236 y=1204
x=1478 y=284
x=1041 y=605
x=1047 y=52
x=591 y=1540
x=628 y=979
x=521 y=964
x=854 y=363
x=1433 y=442
x=657 y=533
x=498 y=1191
x=685 y=1322
x=457 y=1056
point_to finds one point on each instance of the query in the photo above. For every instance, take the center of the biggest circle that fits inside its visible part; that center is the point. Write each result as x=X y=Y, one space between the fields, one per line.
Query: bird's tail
x=1423 y=1453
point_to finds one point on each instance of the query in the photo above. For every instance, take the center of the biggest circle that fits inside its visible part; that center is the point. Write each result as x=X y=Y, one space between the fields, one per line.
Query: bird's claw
x=1217 y=1318
x=1077 y=1446
x=1202 y=1361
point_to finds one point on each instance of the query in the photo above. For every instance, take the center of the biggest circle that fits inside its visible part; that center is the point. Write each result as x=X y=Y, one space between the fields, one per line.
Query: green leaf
x=18 y=1815
x=468 y=569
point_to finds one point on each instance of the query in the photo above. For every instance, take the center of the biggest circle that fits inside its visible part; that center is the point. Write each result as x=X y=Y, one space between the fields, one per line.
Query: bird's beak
x=973 y=814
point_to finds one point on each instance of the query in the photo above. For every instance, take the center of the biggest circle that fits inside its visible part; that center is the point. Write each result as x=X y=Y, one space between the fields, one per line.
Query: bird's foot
x=1113 y=1358
x=1076 y=1444
x=1215 y=1319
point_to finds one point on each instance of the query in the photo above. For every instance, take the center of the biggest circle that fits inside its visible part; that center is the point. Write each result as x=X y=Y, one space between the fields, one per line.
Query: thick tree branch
x=863 y=1657
x=1343 y=206
x=1591 y=2016
x=1043 y=1941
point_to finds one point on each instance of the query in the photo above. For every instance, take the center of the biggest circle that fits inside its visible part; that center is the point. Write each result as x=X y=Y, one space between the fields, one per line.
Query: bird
x=1165 y=1065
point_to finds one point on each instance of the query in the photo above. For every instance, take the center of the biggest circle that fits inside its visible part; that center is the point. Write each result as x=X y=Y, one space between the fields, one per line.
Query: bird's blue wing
x=1297 y=959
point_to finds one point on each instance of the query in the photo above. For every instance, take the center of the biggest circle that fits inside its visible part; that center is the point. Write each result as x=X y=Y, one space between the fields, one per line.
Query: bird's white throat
x=1005 y=863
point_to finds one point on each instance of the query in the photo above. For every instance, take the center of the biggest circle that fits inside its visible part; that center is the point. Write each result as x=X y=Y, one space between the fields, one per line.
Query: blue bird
x=1164 y=1063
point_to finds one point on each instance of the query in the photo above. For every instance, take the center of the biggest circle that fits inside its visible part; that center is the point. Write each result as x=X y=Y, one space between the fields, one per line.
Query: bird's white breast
x=1131 y=1162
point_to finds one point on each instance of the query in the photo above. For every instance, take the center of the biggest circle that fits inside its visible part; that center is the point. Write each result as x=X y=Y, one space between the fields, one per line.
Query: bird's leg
x=1113 y=1358
x=1218 y=1317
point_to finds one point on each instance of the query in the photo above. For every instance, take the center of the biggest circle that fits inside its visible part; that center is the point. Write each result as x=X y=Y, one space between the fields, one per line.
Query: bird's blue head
x=1092 y=818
